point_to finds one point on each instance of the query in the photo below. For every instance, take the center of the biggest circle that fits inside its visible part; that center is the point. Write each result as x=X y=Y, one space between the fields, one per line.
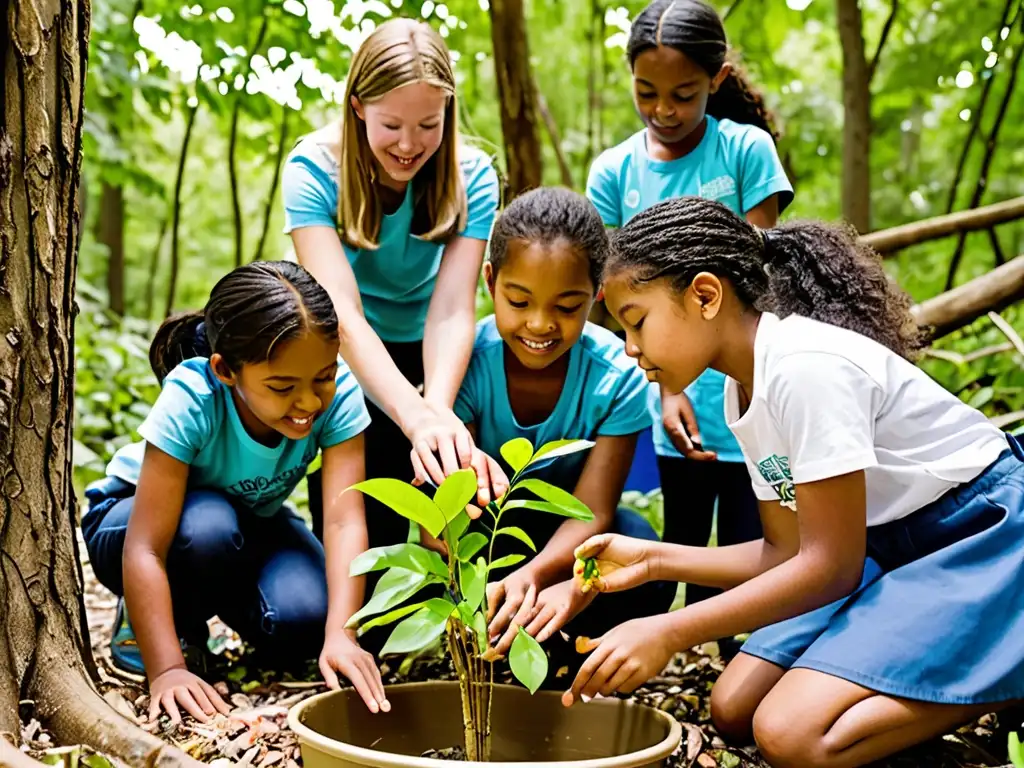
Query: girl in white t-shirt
x=893 y=513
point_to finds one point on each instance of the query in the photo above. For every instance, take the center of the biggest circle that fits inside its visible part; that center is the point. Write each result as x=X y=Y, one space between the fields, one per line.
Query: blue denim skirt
x=939 y=613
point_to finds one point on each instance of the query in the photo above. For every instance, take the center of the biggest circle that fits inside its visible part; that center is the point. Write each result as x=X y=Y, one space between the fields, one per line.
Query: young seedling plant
x=461 y=612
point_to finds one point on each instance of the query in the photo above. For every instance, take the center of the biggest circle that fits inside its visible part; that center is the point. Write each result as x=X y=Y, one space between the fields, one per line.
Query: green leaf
x=1016 y=750
x=406 y=500
x=517 y=533
x=473 y=582
x=421 y=629
x=412 y=557
x=557 y=496
x=470 y=545
x=465 y=613
x=395 y=587
x=528 y=661
x=982 y=397
x=390 y=616
x=546 y=506
x=458 y=526
x=517 y=452
x=457 y=490
x=480 y=630
x=506 y=561
x=557 y=448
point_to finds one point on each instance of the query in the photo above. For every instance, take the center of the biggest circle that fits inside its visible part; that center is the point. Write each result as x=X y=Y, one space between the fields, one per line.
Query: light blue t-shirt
x=195 y=420
x=397 y=280
x=605 y=393
x=735 y=164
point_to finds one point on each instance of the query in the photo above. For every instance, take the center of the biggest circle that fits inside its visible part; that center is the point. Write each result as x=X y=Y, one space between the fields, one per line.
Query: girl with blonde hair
x=391 y=213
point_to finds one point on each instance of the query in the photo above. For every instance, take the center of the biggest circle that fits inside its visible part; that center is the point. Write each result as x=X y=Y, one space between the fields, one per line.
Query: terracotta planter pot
x=335 y=729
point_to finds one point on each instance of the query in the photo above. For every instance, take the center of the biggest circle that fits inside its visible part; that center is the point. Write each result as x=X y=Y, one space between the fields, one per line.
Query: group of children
x=868 y=521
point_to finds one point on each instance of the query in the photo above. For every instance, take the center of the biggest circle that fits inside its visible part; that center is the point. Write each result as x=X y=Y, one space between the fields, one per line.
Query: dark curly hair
x=695 y=29
x=805 y=268
x=549 y=214
x=251 y=309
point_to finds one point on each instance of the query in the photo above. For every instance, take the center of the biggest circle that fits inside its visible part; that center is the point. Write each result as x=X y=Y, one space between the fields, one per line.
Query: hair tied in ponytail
x=768 y=252
x=201 y=344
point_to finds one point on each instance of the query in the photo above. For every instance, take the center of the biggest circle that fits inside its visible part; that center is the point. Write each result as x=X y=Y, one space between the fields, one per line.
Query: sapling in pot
x=460 y=614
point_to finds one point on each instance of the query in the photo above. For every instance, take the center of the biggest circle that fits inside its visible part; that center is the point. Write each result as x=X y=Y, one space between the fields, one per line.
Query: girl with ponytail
x=885 y=590
x=706 y=132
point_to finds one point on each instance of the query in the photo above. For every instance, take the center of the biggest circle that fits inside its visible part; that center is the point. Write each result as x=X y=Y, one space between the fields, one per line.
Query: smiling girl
x=391 y=212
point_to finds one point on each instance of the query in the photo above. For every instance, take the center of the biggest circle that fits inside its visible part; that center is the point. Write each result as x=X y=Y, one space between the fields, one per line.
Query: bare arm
x=319 y=251
x=766 y=213
x=451 y=321
x=151 y=529
x=827 y=566
x=599 y=487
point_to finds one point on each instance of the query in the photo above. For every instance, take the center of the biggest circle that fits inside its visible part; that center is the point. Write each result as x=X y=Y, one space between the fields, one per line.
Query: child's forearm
x=447 y=347
x=147 y=596
x=343 y=542
x=796 y=586
x=720 y=567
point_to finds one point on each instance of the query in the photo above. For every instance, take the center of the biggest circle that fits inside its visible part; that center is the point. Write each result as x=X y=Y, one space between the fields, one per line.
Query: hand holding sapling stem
x=612 y=562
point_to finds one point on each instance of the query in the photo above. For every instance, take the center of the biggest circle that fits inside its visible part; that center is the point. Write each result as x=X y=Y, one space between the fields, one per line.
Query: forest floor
x=256 y=732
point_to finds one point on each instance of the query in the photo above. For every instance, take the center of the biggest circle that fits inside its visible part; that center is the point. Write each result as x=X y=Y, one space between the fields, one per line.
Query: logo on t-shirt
x=719 y=187
x=775 y=471
x=632 y=198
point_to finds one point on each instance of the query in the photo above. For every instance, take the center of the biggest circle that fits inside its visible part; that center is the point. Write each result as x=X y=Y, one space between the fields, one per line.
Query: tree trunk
x=110 y=232
x=515 y=92
x=991 y=292
x=856 y=117
x=44 y=648
x=172 y=280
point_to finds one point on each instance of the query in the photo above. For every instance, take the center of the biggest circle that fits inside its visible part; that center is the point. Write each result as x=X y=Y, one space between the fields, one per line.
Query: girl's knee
x=208 y=529
x=784 y=741
x=293 y=595
x=732 y=713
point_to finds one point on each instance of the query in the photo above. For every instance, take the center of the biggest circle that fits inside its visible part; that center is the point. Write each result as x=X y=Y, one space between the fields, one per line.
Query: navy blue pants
x=264 y=576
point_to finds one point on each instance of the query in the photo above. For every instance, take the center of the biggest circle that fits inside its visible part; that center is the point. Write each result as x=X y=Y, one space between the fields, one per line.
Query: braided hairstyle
x=251 y=309
x=549 y=214
x=805 y=268
x=694 y=29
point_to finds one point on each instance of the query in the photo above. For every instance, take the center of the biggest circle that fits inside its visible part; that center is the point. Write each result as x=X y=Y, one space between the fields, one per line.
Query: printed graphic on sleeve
x=775 y=471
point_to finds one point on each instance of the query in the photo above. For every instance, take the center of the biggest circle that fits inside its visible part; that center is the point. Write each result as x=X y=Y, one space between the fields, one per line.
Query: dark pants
x=387 y=455
x=264 y=576
x=689 y=489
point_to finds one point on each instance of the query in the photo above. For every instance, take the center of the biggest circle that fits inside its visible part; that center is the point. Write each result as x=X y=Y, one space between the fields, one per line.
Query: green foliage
x=412 y=566
x=1016 y=750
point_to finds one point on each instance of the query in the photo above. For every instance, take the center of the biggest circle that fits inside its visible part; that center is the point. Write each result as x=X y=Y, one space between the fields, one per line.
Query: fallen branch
x=1008 y=332
x=957 y=359
x=1004 y=420
x=961 y=306
x=888 y=241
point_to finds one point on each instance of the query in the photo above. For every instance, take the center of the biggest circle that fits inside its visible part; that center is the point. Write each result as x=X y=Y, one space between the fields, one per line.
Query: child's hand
x=622 y=660
x=432 y=542
x=342 y=654
x=491 y=482
x=611 y=562
x=680 y=423
x=556 y=606
x=438 y=433
x=511 y=603
x=179 y=686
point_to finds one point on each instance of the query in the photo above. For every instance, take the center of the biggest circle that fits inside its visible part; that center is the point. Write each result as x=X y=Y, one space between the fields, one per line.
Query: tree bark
x=856 y=184
x=110 y=232
x=516 y=95
x=44 y=649
x=961 y=306
x=172 y=281
x=888 y=241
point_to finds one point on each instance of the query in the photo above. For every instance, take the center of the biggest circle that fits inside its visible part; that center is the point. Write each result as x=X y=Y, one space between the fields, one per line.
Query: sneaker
x=124 y=648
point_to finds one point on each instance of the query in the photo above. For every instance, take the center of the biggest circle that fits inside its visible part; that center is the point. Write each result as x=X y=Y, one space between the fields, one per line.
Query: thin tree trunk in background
x=592 y=47
x=515 y=93
x=154 y=266
x=172 y=281
x=986 y=162
x=45 y=657
x=110 y=232
x=268 y=210
x=556 y=139
x=856 y=184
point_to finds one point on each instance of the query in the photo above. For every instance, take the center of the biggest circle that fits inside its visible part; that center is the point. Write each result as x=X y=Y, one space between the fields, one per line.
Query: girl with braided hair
x=540 y=371
x=706 y=132
x=192 y=522
x=887 y=581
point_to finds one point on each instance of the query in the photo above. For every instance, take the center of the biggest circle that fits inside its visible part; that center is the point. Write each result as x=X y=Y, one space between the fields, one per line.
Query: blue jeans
x=264 y=576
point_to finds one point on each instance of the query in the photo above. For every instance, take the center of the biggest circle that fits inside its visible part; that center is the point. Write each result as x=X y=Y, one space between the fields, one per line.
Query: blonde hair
x=399 y=52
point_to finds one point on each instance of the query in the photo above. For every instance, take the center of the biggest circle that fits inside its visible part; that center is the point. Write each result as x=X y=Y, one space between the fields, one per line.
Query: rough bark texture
x=890 y=241
x=44 y=648
x=856 y=117
x=110 y=232
x=991 y=292
x=515 y=92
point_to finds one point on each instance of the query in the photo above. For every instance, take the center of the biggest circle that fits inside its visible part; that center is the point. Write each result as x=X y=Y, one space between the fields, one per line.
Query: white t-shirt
x=828 y=402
